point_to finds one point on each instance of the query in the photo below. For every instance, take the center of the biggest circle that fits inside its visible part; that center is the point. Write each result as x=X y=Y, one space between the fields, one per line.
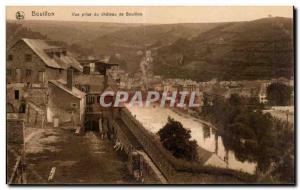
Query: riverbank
x=194 y=117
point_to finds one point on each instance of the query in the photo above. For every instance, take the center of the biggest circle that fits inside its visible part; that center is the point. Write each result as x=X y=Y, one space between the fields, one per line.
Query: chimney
x=70 y=78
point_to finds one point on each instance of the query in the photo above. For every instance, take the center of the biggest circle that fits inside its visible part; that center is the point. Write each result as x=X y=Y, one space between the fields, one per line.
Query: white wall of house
x=49 y=115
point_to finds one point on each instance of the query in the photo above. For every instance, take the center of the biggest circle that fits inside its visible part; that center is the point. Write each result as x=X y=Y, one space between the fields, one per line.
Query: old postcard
x=150 y=95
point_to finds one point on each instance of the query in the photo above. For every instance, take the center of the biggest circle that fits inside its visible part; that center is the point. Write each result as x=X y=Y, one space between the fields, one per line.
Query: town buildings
x=40 y=83
x=40 y=73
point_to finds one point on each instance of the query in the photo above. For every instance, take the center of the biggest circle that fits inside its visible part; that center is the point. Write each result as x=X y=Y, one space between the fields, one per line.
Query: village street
x=84 y=159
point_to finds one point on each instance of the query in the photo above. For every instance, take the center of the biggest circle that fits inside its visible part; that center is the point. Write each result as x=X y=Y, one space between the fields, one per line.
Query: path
x=78 y=159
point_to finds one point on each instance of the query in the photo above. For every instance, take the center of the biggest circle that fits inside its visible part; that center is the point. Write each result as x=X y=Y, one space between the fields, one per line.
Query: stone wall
x=38 y=95
x=35 y=116
x=14 y=131
x=10 y=95
x=149 y=146
x=15 y=145
x=139 y=164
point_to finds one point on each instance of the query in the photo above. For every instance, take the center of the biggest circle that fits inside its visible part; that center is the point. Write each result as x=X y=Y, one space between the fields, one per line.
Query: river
x=154 y=118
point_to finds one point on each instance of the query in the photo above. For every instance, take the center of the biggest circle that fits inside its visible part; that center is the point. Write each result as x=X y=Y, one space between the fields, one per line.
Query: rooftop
x=74 y=91
x=42 y=49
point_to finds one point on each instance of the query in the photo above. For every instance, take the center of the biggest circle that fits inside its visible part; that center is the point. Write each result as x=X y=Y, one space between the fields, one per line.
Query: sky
x=154 y=14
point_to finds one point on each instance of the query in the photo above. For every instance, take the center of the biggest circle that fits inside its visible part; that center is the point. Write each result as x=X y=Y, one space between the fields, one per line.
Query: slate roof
x=62 y=85
x=63 y=62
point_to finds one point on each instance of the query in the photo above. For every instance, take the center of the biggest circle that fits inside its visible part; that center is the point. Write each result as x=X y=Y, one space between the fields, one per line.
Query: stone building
x=37 y=84
x=94 y=81
x=31 y=64
x=66 y=103
x=35 y=62
x=262 y=96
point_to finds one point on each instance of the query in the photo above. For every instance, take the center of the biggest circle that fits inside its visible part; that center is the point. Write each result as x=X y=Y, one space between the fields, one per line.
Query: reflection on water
x=154 y=118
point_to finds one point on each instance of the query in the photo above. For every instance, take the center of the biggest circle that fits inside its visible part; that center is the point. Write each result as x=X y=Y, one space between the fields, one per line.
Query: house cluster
x=155 y=82
x=245 y=88
x=48 y=85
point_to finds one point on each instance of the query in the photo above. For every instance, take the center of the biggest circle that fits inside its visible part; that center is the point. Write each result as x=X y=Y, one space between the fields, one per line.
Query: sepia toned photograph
x=110 y=95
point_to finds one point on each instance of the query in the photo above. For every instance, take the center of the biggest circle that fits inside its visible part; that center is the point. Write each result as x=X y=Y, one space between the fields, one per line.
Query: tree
x=176 y=139
x=235 y=100
x=279 y=94
x=206 y=108
x=254 y=135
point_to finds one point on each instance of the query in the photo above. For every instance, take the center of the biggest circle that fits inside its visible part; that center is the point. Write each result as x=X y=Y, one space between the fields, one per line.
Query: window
x=17 y=95
x=41 y=76
x=9 y=57
x=90 y=99
x=18 y=75
x=64 y=52
x=8 y=72
x=28 y=72
x=85 y=88
x=89 y=109
x=73 y=105
x=22 y=108
x=50 y=54
x=57 y=54
x=86 y=70
x=28 y=57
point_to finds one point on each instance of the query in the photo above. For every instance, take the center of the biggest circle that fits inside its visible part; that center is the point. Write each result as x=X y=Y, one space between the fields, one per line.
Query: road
x=85 y=159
